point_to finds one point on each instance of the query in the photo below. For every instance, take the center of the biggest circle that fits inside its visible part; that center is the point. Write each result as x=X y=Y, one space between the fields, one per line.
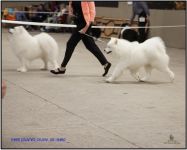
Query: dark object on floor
x=128 y=34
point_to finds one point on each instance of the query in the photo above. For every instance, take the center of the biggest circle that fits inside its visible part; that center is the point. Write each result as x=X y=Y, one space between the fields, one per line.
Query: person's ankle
x=62 y=68
x=105 y=65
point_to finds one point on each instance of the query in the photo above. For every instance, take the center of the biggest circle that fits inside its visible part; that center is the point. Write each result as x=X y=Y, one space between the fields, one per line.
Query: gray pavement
x=80 y=110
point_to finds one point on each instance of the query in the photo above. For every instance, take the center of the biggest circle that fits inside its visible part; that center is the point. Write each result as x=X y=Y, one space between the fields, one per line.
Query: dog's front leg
x=23 y=67
x=120 y=67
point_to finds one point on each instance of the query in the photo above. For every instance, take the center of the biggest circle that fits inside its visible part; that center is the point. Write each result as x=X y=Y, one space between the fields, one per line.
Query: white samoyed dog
x=133 y=56
x=28 y=48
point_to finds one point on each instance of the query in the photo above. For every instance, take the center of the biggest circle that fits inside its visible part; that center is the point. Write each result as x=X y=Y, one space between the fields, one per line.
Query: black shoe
x=107 y=67
x=58 y=71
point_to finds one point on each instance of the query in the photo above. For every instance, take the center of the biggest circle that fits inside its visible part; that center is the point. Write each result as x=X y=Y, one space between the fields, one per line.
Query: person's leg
x=94 y=49
x=142 y=34
x=70 y=46
x=142 y=31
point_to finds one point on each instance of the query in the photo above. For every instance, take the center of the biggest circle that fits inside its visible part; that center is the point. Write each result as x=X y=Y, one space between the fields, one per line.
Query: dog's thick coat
x=133 y=55
x=28 y=48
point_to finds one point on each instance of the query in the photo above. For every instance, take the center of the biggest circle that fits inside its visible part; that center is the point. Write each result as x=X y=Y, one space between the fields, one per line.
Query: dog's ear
x=16 y=29
x=20 y=29
x=114 y=40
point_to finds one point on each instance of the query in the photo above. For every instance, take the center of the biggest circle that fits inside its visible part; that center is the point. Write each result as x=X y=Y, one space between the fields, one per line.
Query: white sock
x=62 y=68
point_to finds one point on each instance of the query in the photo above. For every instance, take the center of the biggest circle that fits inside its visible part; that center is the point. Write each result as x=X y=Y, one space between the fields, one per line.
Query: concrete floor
x=80 y=110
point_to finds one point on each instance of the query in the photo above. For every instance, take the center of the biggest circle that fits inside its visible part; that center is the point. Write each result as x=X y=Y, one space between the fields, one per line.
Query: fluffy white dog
x=133 y=55
x=28 y=48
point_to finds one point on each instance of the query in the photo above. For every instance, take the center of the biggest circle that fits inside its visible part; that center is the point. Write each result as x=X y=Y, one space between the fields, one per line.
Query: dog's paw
x=172 y=80
x=144 y=79
x=22 y=69
x=138 y=78
x=172 y=77
x=109 y=80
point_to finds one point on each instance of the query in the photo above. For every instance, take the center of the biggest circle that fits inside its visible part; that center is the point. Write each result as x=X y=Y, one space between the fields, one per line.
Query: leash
x=96 y=39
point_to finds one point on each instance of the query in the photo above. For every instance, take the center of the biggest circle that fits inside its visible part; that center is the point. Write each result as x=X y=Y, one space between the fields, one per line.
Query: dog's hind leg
x=117 y=72
x=168 y=71
x=135 y=74
x=55 y=64
x=148 y=70
x=45 y=63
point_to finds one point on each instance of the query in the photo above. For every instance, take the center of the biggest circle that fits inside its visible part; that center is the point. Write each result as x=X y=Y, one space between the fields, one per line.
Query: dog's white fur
x=28 y=48
x=133 y=55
